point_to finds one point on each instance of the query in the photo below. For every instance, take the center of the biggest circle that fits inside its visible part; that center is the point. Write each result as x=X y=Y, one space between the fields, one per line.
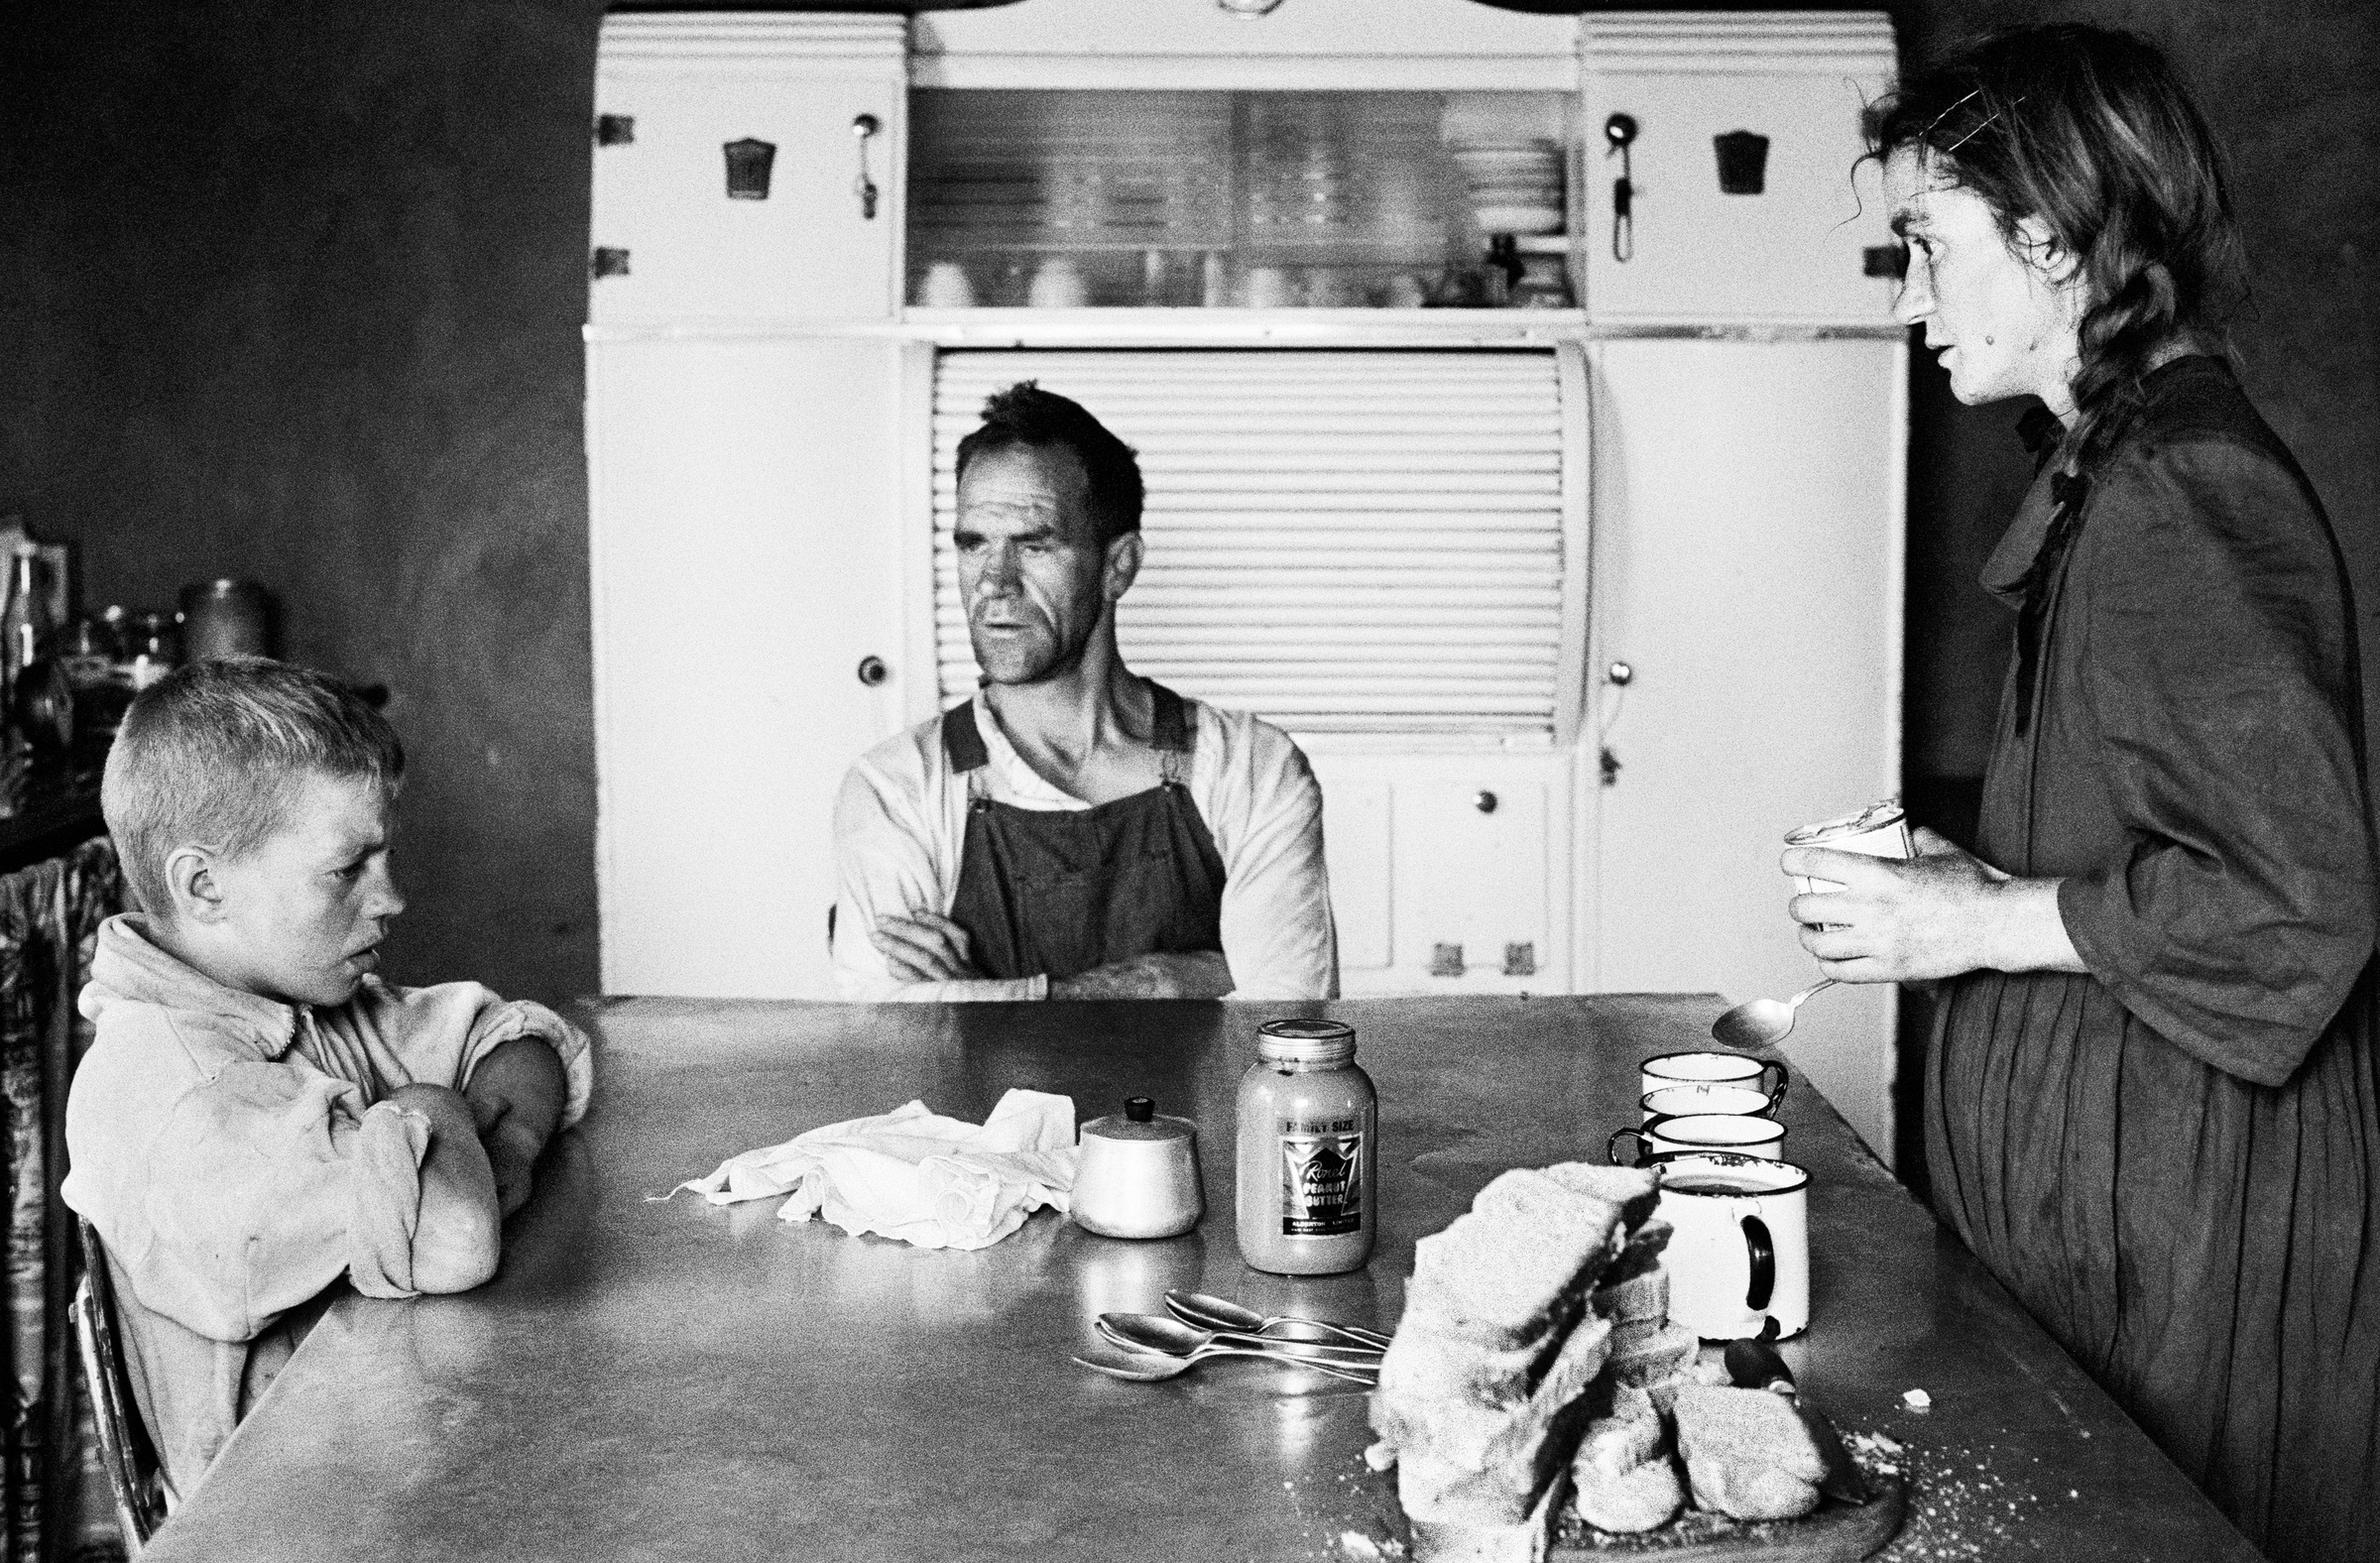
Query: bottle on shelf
x=24 y=621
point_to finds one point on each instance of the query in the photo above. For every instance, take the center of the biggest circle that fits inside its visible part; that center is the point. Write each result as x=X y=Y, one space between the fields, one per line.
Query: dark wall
x=292 y=290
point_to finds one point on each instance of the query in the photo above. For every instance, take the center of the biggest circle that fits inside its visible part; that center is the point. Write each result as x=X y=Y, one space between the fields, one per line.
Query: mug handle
x=1644 y=1146
x=1776 y=1093
x=1763 y=1253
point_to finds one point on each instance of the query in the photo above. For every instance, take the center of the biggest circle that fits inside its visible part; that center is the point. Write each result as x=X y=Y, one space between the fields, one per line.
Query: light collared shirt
x=901 y=824
x=238 y=1156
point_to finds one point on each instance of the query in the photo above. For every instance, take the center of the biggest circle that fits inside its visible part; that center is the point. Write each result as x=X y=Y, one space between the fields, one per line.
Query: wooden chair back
x=134 y=1473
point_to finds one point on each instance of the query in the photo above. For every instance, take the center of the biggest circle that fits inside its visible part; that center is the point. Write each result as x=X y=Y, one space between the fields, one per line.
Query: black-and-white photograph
x=1070 y=780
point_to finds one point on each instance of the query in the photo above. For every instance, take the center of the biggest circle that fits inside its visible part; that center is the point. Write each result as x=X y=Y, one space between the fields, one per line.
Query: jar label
x=1322 y=1180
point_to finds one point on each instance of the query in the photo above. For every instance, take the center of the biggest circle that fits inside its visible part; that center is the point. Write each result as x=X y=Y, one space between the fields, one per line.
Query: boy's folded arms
x=458 y=1229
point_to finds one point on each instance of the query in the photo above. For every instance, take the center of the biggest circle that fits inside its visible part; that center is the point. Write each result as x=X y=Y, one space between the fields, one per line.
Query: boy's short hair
x=211 y=755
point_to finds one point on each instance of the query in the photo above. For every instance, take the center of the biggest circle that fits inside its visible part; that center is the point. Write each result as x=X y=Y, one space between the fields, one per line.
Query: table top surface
x=668 y=1379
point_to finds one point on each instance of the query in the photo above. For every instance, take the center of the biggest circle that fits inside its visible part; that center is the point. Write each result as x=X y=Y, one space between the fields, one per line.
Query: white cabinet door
x=747 y=511
x=1449 y=874
x=675 y=98
x=1693 y=253
x=1748 y=501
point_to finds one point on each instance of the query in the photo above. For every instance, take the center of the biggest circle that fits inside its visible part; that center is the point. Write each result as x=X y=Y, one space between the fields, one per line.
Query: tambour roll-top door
x=1339 y=541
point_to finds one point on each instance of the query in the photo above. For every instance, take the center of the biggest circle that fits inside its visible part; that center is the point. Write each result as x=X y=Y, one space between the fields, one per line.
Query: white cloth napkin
x=910 y=1173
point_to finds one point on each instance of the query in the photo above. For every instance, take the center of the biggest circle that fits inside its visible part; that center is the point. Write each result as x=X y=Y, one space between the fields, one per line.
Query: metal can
x=1880 y=830
x=1309 y=1144
x=226 y=618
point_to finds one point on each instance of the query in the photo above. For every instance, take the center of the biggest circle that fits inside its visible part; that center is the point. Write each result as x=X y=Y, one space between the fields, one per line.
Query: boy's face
x=303 y=912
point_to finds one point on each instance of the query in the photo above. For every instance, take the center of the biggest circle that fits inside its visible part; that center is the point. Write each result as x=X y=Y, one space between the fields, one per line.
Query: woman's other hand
x=1939 y=914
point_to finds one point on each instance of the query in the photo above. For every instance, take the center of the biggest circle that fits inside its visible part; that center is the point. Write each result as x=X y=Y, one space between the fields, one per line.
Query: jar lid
x=1305 y=1042
x=1140 y=1120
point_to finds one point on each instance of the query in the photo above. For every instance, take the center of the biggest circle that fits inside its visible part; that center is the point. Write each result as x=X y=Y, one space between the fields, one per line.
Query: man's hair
x=213 y=754
x=1026 y=415
x=2090 y=131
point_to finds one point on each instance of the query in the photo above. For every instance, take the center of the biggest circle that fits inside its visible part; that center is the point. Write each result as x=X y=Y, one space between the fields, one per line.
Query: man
x=1075 y=831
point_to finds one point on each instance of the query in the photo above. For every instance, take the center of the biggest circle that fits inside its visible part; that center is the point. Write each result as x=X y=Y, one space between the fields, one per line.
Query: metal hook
x=864 y=127
x=1621 y=132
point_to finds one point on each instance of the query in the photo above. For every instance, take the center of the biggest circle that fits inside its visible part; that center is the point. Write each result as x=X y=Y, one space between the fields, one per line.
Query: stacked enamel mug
x=1738 y=1257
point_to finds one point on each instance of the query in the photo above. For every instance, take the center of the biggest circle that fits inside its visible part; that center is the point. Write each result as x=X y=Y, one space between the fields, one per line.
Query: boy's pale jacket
x=238 y=1157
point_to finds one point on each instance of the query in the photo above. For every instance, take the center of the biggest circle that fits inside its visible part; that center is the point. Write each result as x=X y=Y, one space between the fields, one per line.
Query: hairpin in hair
x=1974 y=130
x=1948 y=112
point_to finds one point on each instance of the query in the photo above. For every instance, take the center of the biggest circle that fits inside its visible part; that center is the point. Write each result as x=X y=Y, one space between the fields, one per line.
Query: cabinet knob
x=873 y=672
x=1484 y=802
x=1620 y=674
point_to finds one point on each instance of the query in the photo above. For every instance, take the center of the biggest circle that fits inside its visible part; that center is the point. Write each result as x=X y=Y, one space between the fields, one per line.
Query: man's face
x=1032 y=575
x=304 y=910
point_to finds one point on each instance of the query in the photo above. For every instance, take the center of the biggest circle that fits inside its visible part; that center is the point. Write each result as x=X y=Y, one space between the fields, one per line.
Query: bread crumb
x=1917 y=1399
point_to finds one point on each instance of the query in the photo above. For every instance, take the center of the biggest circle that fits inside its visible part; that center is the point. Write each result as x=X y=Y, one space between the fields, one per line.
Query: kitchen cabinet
x=747 y=623
x=733 y=162
x=1747 y=582
x=1749 y=201
x=1447 y=873
x=1419 y=539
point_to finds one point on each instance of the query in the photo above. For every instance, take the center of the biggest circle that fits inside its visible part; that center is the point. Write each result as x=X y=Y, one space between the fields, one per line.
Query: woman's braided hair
x=2090 y=131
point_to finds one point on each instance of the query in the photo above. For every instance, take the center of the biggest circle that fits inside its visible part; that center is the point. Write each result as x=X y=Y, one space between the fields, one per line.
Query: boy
x=260 y=1115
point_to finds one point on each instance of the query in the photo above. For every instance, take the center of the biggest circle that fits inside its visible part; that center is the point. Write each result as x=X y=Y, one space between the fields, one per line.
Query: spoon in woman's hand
x=1756 y=1022
x=1217 y=1313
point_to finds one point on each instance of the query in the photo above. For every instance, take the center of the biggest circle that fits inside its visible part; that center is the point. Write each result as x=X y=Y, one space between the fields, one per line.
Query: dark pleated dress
x=2173 y=1160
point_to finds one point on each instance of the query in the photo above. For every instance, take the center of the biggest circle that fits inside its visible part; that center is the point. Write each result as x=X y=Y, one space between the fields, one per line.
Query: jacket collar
x=130 y=967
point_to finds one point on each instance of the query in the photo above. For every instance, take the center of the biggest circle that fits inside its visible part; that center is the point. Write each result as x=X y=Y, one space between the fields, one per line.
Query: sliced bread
x=1747 y=1452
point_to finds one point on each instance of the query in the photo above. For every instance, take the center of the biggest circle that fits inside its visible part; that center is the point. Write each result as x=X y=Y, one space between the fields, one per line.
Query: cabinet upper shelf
x=1283 y=171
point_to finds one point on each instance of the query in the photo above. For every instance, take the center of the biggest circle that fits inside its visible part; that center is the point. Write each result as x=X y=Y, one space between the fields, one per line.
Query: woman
x=2151 y=1107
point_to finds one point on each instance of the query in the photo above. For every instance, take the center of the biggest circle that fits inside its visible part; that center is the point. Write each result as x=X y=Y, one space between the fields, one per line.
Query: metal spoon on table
x=1149 y=1332
x=1218 y=1313
x=1149 y=1367
x=1756 y=1022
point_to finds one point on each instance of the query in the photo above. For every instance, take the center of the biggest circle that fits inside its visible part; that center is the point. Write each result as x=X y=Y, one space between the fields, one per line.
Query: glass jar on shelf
x=1167 y=199
x=152 y=649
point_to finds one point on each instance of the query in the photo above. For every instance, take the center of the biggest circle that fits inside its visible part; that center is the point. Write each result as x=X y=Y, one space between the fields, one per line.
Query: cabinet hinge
x=608 y=261
x=615 y=130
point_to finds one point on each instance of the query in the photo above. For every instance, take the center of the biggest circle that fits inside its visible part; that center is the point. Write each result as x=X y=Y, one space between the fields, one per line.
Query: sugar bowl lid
x=1141 y=1120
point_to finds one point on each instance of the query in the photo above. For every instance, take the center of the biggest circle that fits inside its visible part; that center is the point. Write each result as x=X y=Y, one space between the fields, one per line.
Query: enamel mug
x=1665 y=1137
x=1738 y=1257
x=1139 y=1175
x=1678 y=1101
x=1668 y=1069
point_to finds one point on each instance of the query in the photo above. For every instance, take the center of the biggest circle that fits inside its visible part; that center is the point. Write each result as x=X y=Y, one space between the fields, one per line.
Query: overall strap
x=961 y=740
x=1171 y=733
x=1171 y=726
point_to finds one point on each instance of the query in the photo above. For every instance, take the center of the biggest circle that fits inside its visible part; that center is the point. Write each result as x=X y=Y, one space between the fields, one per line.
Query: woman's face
x=2003 y=319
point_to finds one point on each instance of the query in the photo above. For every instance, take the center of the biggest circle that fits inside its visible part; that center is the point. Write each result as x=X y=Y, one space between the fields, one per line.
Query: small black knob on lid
x=1140 y=1109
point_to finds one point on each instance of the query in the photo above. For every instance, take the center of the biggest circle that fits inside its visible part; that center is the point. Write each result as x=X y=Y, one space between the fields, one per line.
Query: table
x=666 y=1380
